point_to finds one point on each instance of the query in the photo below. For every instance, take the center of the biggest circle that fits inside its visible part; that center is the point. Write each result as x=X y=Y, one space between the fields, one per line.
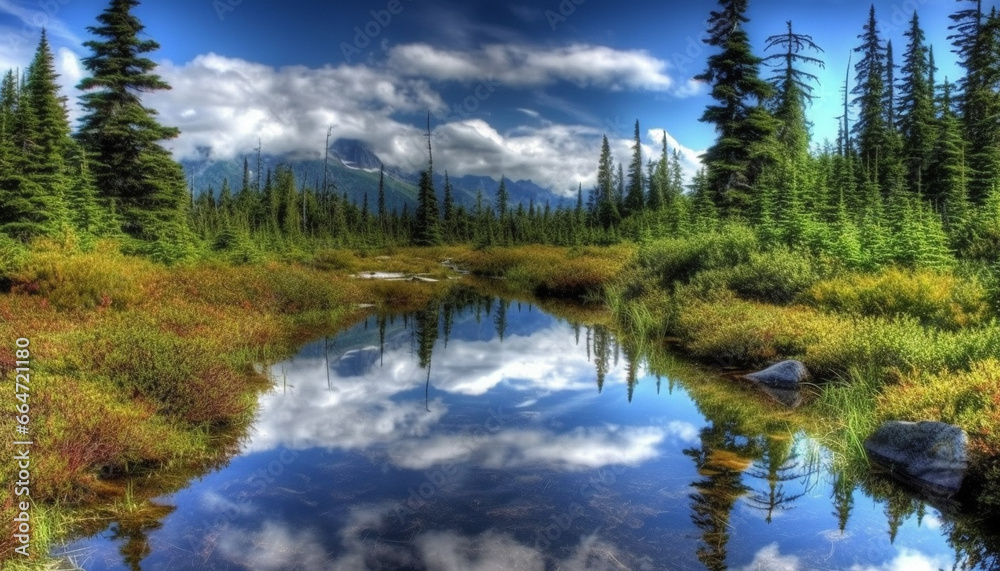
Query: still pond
x=484 y=434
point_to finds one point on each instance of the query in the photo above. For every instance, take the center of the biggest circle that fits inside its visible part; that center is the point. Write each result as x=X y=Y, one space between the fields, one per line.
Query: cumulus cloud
x=531 y=66
x=223 y=105
x=360 y=408
x=278 y=545
x=579 y=449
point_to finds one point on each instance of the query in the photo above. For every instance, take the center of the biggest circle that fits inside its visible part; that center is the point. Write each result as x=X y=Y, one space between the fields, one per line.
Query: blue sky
x=521 y=89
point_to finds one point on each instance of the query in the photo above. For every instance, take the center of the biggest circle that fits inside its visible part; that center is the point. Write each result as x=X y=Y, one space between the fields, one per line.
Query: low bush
x=934 y=299
x=78 y=280
x=180 y=379
x=680 y=259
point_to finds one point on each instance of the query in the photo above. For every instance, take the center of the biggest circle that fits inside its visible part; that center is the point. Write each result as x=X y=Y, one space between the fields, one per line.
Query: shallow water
x=487 y=434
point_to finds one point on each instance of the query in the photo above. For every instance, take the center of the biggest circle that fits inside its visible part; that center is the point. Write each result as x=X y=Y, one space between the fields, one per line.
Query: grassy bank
x=137 y=367
x=896 y=343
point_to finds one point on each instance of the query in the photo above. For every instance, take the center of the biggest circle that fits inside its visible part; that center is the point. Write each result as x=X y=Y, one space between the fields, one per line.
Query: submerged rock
x=784 y=376
x=928 y=455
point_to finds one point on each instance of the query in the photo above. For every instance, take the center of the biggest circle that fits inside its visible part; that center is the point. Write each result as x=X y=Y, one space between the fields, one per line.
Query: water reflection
x=488 y=434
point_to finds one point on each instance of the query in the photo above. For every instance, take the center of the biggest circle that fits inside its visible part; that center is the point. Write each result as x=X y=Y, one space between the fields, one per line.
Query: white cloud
x=359 y=408
x=225 y=104
x=771 y=559
x=909 y=560
x=530 y=66
x=579 y=449
x=278 y=545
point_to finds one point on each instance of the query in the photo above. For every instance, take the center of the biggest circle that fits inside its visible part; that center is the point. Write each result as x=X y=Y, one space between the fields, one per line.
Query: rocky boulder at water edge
x=785 y=376
x=928 y=455
x=781 y=382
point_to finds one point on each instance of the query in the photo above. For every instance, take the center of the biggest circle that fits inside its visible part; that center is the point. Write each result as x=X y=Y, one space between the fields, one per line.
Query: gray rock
x=931 y=456
x=785 y=375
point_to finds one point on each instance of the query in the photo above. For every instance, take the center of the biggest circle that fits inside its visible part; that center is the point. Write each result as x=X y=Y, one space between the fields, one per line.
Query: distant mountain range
x=354 y=169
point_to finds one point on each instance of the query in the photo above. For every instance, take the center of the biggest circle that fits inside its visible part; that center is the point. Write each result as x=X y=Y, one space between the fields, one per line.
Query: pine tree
x=871 y=129
x=47 y=163
x=740 y=118
x=502 y=198
x=659 y=182
x=427 y=226
x=915 y=111
x=449 y=201
x=382 y=213
x=793 y=88
x=604 y=195
x=130 y=166
x=36 y=139
x=635 y=198
x=949 y=171
x=975 y=40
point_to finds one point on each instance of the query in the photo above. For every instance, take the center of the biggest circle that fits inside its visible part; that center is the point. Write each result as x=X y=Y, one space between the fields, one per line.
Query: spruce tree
x=793 y=88
x=35 y=180
x=606 y=208
x=741 y=121
x=975 y=41
x=635 y=198
x=130 y=167
x=501 y=200
x=949 y=171
x=427 y=225
x=871 y=128
x=915 y=111
x=660 y=181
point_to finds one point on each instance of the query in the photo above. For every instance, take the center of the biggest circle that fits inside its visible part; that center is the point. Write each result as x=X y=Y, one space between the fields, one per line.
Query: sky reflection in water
x=482 y=434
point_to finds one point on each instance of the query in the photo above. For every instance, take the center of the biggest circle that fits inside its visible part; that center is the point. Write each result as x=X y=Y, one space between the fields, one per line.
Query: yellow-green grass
x=136 y=366
x=550 y=270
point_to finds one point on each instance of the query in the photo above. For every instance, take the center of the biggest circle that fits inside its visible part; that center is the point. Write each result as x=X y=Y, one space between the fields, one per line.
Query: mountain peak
x=355 y=154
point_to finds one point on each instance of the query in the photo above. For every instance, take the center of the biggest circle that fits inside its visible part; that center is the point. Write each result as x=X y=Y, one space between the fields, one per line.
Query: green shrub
x=73 y=280
x=181 y=379
x=934 y=299
x=12 y=255
x=680 y=259
x=777 y=276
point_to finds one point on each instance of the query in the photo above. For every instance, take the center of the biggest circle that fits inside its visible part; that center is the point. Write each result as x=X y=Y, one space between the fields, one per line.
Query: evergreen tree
x=948 y=169
x=975 y=41
x=449 y=201
x=793 y=88
x=915 y=111
x=34 y=181
x=382 y=213
x=46 y=164
x=606 y=208
x=635 y=198
x=741 y=121
x=659 y=182
x=130 y=165
x=871 y=128
x=427 y=225
x=502 y=198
